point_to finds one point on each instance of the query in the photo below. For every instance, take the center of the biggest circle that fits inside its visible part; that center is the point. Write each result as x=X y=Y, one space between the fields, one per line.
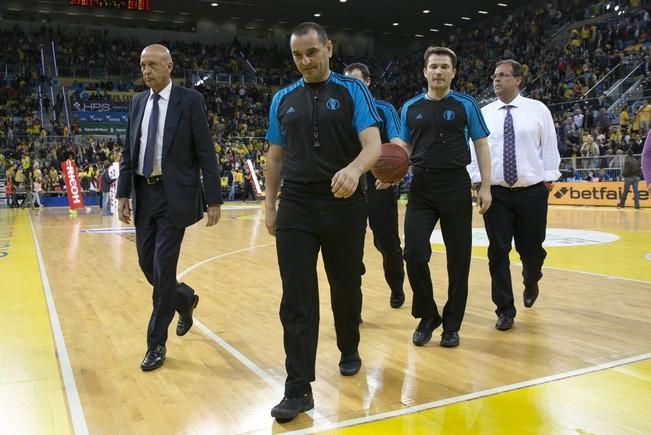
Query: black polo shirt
x=439 y=130
x=318 y=125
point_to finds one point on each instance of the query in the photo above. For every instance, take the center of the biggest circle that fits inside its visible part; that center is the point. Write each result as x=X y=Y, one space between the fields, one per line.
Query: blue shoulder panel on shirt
x=391 y=116
x=274 y=133
x=364 y=112
x=476 y=125
x=405 y=133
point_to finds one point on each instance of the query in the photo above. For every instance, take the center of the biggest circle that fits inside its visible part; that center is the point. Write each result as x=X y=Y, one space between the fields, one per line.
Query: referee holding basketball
x=323 y=135
x=435 y=128
x=383 y=203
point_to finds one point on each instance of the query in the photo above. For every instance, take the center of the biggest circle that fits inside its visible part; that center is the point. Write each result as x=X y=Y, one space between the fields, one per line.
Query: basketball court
x=76 y=307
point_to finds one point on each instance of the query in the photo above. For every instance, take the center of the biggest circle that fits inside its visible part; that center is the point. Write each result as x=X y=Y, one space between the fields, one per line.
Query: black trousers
x=519 y=215
x=158 y=242
x=439 y=194
x=383 y=220
x=311 y=219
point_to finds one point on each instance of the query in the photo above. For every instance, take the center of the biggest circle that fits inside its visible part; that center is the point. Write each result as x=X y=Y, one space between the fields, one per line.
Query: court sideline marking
x=74 y=403
x=472 y=396
x=275 y=385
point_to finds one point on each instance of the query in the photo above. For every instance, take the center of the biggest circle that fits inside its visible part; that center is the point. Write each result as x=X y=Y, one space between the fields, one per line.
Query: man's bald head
x=159 y=50
x=156 y=66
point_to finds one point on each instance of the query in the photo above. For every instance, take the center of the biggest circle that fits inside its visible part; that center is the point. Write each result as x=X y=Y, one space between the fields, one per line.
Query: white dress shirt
x=163 y=101
x=536 y=147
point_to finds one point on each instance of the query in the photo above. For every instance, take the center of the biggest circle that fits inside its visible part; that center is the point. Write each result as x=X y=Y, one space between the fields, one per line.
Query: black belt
x=154 y=179
x=515 y=189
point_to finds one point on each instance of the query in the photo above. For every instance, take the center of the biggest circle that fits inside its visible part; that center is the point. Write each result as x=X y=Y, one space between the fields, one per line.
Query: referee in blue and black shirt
x=436 y=127
x=323 y=135
x=383 y=204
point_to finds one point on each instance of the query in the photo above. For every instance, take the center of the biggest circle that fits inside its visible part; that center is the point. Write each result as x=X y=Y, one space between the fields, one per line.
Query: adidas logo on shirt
x=291 y=110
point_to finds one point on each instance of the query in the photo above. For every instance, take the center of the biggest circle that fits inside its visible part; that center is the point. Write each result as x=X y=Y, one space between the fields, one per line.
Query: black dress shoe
x=185 y=318
x=423 y=333
x=290 y=407
x=530 y=295
x=504 y=322
x=397 y=299
x=154 y=358
x=350 y=364
x=450 y=339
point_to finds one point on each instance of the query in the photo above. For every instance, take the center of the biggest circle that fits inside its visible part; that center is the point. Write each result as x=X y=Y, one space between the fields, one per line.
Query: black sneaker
x=423 y=333
x=290 y=407
x=349 y=365
x=450 y=339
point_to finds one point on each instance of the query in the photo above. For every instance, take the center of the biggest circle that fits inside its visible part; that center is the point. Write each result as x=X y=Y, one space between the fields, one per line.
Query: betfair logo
x=598 y=193
x=561 y=193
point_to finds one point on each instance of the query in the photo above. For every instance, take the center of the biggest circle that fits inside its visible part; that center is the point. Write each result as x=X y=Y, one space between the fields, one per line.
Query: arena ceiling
x=413 y=17
x=375 y=16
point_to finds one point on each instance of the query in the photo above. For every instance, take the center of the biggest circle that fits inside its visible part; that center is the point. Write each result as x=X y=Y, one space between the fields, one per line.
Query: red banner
x=70 y=176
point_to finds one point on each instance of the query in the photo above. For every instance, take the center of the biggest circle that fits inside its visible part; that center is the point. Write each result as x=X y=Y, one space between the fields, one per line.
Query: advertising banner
x=607 y=193
x=108 y=128
x=118 y=117
x=73 y=187
x=254 y=178
x=85 y=104
x=114 y=173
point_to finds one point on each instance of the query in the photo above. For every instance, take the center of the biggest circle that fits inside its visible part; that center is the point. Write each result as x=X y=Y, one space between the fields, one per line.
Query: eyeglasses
x=501 y=75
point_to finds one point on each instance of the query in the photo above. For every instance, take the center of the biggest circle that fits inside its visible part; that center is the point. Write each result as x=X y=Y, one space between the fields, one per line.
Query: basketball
x=392 y=165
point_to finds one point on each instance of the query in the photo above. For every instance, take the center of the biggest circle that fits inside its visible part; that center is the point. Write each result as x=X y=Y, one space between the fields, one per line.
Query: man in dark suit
x=168 y=147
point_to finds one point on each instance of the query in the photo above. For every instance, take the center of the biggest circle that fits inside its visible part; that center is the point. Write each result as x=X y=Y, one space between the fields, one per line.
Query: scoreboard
x=134 y=5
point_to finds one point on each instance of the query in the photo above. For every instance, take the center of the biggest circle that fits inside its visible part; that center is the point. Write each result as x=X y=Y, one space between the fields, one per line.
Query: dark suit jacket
x=188 y=152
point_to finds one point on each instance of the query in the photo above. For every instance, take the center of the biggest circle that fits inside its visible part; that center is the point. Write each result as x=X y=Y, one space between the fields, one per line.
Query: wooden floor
x=578 y=362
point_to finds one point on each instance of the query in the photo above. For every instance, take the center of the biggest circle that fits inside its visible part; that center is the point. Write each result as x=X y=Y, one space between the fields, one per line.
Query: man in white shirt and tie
x=525 y=160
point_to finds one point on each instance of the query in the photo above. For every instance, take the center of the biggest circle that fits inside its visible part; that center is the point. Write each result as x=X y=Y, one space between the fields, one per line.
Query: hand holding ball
x=392 y=165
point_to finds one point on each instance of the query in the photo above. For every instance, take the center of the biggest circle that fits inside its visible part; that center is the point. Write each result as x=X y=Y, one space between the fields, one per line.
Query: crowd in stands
x=562 y=62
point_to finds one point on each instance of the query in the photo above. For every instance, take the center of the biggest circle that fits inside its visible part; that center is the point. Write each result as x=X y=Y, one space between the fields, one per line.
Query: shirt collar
x=516 y=102
x=428 y=98
x=304 y=83
x=164 y=93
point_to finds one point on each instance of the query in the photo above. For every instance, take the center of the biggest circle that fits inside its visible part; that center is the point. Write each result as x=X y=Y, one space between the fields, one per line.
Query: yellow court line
x=612 y=401
x=32 y=397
